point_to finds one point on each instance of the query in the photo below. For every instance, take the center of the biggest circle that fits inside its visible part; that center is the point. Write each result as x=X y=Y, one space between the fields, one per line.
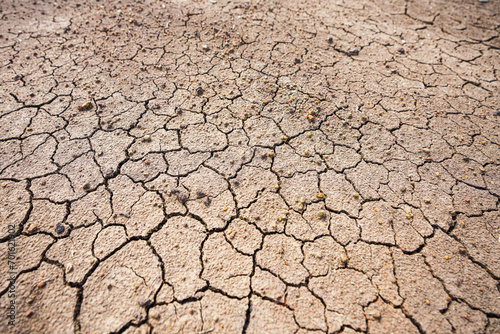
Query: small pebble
x=59 y=228
x=144 y=302
x=85 y=107
x=32 y=228
x=354 y=52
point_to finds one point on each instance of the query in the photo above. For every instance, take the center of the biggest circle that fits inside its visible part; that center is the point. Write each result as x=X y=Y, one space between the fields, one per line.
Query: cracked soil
x=216 y=166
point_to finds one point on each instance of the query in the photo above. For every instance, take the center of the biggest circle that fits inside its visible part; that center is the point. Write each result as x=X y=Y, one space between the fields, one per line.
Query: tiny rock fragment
x=354 y=52
x=29 y=314
x=199 y=91
x=144 y=302
x=401 y=51
x=147 y=138
x=32 y=228
x=59 y=228
x=320 y=195
x=375 y=314
x=85 y=107
x=69 y=268
x=86 y=186
x=40 y=284
x=343 y=259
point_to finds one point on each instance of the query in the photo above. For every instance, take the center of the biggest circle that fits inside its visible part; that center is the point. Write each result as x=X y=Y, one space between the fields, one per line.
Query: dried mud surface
x=250 y=166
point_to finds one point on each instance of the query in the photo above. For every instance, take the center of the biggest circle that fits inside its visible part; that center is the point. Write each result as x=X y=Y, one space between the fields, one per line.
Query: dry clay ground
x=250 y=166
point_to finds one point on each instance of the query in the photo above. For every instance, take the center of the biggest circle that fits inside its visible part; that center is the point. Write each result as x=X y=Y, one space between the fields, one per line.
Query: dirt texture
x=216 y=166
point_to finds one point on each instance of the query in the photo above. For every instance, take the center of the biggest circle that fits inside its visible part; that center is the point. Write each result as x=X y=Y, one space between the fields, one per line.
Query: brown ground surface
x=250 y=166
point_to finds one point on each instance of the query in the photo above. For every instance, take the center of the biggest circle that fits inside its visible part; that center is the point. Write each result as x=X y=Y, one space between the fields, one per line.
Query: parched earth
x=249 y=166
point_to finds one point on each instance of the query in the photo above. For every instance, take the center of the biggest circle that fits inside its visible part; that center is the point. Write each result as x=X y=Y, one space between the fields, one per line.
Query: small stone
x=86 y=186
x=32 y=228
x=401 y=51
x=181 y=197
x=199 y=91
x=205 y=48
x=69 y=268
x=147 y=138
x=330 y=40
x=496 y=113
x=4 y=185
x=85 y=107
x=354 y=52
x=29 y=314
x=59 y=228
x=375 y=314
x=144 y=302
x=40 y=284
x=320 y=195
